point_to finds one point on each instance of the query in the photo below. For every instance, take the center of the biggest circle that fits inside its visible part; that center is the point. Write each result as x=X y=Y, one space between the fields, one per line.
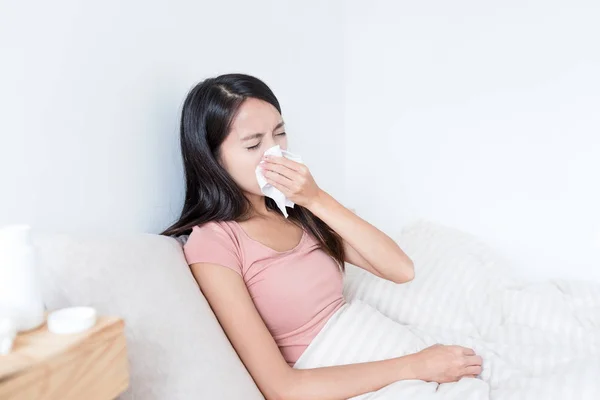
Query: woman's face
x=256 y=127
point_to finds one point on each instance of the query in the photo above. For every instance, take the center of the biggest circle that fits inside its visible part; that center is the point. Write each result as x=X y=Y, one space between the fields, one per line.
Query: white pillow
x=176 y=347
x=456 y=277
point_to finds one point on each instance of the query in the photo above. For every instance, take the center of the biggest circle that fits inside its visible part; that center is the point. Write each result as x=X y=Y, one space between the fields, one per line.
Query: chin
x=254 y=191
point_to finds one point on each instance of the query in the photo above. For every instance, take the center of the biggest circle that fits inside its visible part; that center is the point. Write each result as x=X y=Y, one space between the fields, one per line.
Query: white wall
x=91 y=93
x=480 y=116
x=484 y=116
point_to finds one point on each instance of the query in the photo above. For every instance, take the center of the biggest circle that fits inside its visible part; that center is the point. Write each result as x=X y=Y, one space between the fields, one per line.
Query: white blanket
x=537 y=340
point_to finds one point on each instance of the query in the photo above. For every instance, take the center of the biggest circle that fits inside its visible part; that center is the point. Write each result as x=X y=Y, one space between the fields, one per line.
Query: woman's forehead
x=255 y=116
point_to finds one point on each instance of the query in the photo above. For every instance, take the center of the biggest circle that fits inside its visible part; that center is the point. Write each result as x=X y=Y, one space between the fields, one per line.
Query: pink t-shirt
x=294 y=291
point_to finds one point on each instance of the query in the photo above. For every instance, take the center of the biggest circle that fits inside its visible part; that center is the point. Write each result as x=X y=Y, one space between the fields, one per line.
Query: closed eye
x=258 y=144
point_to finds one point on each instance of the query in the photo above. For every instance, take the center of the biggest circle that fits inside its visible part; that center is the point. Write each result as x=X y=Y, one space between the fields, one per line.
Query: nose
x=269 y=141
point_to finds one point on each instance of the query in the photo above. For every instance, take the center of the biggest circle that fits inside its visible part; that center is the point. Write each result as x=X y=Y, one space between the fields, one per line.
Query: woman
x=274 y=282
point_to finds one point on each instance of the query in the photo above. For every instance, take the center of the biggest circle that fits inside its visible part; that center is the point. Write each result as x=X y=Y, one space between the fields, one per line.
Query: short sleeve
x=212 y=243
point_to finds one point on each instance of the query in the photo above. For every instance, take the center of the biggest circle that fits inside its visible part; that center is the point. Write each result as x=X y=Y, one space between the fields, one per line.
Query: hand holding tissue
x=269 y=190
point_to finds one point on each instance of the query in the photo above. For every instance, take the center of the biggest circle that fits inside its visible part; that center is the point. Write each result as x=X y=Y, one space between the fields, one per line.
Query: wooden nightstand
x=91 y=365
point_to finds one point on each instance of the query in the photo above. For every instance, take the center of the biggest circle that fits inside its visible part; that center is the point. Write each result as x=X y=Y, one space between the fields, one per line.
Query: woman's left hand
x=293 y=179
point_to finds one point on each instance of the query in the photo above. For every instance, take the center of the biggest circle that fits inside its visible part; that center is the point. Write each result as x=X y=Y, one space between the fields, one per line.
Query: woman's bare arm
x=229 y=298
x=365 y=245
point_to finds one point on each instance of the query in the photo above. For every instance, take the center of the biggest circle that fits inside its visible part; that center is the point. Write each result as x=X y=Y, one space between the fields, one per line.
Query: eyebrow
x=261 y=134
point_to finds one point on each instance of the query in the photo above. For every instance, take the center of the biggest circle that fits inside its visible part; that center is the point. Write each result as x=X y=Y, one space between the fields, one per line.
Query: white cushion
x=444 y=256
x=176 y=347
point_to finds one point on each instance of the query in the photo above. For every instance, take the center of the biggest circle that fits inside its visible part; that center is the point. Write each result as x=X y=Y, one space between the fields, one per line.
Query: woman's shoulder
x=212 y=240
x=213 y=230
x=213 y=226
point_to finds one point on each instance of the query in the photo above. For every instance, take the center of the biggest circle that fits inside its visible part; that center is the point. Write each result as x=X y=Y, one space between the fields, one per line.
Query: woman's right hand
x=443 y=364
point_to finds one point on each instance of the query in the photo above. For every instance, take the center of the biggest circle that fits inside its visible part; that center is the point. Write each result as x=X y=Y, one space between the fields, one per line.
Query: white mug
x=20 y=292
x=8 y=331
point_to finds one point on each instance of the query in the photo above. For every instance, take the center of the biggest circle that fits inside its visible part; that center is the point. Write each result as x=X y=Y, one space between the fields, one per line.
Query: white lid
x=71 y=320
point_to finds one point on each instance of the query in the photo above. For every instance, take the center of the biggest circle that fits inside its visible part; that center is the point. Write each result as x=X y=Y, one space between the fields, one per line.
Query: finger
x=467 y=351
x=473 y=370
x=469 y=376
x=293 y=165
x=280 y=187
x=271 y=177
x=280 y=169
x=474 y=360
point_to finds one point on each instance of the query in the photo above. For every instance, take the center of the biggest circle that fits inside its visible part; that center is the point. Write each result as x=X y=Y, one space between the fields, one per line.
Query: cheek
x=241 y=167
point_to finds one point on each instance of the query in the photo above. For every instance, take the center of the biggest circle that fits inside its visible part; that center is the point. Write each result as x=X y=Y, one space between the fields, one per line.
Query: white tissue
x=269 y=190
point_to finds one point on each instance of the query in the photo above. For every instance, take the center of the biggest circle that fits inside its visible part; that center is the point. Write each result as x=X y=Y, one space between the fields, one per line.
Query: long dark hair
x=211 y=194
